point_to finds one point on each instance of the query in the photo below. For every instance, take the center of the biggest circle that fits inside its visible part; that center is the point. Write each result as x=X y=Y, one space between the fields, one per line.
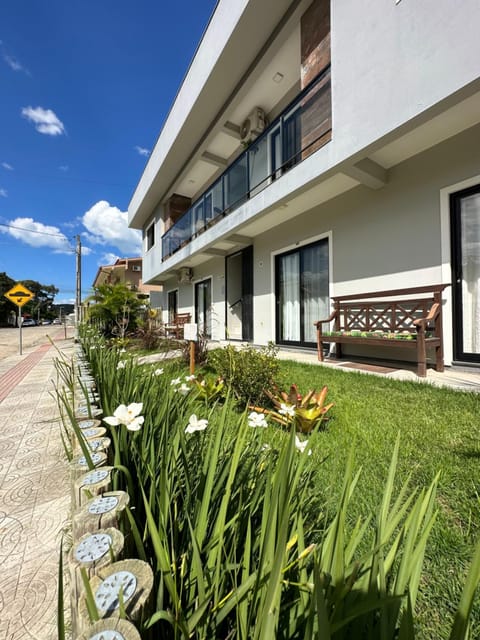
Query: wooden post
x=192 y=357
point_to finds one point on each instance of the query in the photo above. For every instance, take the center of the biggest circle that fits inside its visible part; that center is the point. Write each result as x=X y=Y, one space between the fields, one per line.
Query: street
x=31 y=337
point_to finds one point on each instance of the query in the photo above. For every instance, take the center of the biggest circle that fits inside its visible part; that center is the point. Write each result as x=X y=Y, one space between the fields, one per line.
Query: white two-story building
x=317 y=149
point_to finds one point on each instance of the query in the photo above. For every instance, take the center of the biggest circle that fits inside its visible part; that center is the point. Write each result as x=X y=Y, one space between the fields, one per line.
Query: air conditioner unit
x=185 y=274
x=254 y=124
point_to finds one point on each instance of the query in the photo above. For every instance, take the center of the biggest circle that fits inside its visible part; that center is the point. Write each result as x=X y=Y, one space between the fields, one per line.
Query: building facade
x=317 y=149
x=128 y=271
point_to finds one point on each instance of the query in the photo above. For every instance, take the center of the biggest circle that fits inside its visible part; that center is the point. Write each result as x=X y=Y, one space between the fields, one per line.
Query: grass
x=439 y=432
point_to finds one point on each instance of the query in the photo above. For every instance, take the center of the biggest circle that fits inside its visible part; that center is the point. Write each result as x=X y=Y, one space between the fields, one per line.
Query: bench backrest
x=365 y=312
x=382 y=315
x=182 y=318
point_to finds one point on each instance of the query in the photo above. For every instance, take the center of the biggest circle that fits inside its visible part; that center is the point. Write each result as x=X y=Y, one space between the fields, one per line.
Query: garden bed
x=203 y=483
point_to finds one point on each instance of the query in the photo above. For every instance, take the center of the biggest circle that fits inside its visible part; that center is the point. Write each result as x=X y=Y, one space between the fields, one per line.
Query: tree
x=115 y=307
x=44 y=297
x=6 y=307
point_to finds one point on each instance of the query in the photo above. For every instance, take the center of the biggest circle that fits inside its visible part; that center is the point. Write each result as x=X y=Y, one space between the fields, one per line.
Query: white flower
x=123 y=350
x=175 y=381
x=194 y=424
x=121 y=364
x=183 y=389
x=129 y=416
x=158 y=372
x=190 y=378
x=301 y=445
x=257 y=420
x=287 y=410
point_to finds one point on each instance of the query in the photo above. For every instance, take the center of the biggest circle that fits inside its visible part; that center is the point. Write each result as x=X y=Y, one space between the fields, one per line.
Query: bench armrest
x=318 y=323
x=422 y=323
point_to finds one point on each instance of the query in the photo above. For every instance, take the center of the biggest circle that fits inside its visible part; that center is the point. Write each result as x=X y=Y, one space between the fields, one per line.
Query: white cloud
x=108 y=258
x=14 y=64
x=107 y=225
x=142 y=151
x=3 y=193
x=38 y=235
x=64 y=167
x=45 y=120
x=7 y=166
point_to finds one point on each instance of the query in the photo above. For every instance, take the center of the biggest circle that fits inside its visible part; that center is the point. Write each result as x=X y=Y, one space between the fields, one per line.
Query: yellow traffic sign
x=19 y=295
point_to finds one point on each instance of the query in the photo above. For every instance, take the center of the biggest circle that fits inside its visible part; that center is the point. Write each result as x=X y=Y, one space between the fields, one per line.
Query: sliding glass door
x=203 y=307
x=301 y=293
x=465 y=217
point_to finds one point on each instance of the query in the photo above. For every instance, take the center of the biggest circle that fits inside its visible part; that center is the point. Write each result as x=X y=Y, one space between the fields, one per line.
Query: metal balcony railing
x=302 y=128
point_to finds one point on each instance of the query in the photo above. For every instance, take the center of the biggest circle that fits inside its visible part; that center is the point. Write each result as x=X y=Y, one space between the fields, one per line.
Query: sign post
x=19 y=295
x=190 y=333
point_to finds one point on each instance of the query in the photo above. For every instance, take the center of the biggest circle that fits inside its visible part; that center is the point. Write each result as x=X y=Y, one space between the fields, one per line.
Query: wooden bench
x=403 y=318
x=175 y=329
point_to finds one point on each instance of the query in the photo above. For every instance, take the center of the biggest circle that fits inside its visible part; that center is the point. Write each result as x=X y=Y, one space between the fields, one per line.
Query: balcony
x=302 y=128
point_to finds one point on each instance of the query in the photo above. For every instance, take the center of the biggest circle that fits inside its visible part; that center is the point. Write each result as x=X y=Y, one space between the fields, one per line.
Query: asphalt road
x=31 y=337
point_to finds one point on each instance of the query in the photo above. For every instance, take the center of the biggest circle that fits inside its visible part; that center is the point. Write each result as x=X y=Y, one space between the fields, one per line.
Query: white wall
x=213 y=269
x=385 y=239
x=392 y=61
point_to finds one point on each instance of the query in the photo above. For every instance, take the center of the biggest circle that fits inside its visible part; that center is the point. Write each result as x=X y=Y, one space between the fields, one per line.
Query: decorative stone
x=87 y=411
x=90 y=484
x=111 y=629
x=94 y=432
x=88 y=423
x=100 y=512
x=95 y=444
x=90 y=552
x=79 y=465
x=134 y=578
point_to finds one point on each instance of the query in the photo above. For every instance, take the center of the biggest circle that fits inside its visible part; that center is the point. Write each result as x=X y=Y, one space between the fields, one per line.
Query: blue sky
x=85 y=86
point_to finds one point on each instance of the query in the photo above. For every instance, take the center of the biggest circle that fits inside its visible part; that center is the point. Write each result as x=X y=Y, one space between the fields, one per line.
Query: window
x=150 y=236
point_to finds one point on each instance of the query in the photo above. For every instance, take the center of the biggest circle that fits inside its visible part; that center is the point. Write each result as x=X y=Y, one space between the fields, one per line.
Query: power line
x=44 y=233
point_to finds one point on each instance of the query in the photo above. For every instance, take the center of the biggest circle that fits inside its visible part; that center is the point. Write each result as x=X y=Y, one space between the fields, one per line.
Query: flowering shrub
x=208 y=389
x=304 y=412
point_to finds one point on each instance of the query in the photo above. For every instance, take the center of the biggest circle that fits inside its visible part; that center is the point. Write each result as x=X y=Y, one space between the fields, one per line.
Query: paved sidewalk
x=34 y=493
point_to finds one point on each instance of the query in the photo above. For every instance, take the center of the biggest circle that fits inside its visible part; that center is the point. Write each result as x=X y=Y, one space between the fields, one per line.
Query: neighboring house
x=129 y=271
x=317 y=149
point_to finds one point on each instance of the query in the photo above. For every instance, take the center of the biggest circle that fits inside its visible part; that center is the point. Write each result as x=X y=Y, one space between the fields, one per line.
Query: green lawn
x=440 y=432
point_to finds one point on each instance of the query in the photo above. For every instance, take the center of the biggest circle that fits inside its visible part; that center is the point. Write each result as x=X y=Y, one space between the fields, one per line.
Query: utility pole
x=78 y=287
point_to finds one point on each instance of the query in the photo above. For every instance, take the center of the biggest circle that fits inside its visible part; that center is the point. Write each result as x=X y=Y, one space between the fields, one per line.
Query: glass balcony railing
x=302 y=128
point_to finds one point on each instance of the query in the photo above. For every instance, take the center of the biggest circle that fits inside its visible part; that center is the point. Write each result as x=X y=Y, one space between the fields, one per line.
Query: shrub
x=201 y=350
x=248 y=371
x=149 y=335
